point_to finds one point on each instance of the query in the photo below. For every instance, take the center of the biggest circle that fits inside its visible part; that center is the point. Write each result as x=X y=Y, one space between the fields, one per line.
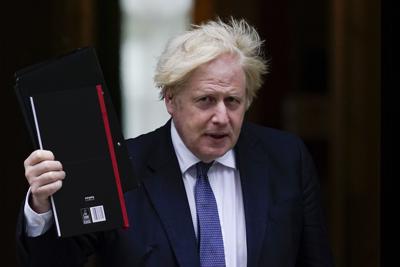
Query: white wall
x=146 y=27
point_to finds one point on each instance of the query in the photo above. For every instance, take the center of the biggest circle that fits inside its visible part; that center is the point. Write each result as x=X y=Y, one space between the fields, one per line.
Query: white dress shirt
x=36 y=223
x=225 y=182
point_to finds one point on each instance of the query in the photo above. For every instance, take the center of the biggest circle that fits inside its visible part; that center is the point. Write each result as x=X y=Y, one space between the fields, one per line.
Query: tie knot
x=202 y=168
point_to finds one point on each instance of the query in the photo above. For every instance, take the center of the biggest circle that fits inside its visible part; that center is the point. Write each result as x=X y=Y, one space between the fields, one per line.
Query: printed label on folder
x=85 y=216
x=97 y=214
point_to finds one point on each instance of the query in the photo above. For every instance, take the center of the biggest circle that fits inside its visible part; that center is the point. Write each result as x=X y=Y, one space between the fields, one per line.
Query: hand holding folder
x=69 y=112
x=45 y=175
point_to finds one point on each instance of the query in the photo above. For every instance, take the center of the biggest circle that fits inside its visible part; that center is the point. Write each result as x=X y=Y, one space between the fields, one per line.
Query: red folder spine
x=112 y=154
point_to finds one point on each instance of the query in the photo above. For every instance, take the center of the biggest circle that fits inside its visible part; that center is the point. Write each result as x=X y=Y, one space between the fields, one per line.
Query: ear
x=169 y=102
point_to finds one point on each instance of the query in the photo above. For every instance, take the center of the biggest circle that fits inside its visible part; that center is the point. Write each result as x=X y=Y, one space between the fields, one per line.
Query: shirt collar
x=187 y=159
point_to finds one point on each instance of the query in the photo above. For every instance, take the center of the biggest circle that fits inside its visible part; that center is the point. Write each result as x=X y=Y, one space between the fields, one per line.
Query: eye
x=205 y=101
x=232 y=102
x=231 y=99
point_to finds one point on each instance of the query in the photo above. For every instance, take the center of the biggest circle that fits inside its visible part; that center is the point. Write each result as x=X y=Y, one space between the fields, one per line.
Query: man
x=253 y=200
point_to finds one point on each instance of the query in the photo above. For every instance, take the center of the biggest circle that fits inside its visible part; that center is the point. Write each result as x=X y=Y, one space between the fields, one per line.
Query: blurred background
x=324 y=85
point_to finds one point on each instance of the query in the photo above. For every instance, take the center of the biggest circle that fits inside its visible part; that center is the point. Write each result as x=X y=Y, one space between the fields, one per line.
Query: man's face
x=208 y=112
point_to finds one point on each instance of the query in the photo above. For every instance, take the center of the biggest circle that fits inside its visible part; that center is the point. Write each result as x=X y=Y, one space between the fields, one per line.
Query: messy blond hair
x=205 y=42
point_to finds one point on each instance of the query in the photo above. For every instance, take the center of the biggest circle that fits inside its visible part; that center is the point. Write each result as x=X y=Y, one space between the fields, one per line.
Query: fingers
x=46 y=190
x=46 y=183
x=44 y=175
x=40 y=196
x=34 y=171
x=38 y=156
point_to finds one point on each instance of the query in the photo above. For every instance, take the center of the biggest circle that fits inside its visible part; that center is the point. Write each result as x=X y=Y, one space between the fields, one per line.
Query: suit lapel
x=256 y=192
x=167 y=192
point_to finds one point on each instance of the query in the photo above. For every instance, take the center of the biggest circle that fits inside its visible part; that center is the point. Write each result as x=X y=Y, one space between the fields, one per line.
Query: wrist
x=39 y=205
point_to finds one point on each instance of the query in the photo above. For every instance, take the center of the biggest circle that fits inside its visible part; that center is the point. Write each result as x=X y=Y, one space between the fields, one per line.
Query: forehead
x=224 y=71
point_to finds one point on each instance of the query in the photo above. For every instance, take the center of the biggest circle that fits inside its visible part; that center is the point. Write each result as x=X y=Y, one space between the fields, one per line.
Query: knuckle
x=50 y=154
x=26 y=163
x=54 y=175
x=38 y=154
x=31 y=158
x=47 y=166
x=44 y=155
x=36 y=181
x=51 y=176
x=28 y=173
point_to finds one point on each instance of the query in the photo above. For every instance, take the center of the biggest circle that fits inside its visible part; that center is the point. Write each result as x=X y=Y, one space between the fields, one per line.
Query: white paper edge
x=41 y=147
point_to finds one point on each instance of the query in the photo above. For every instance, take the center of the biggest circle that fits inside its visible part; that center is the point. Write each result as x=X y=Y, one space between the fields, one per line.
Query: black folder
x=68 y=110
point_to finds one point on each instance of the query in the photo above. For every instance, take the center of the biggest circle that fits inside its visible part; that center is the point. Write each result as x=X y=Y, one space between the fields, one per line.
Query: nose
x=220 y=115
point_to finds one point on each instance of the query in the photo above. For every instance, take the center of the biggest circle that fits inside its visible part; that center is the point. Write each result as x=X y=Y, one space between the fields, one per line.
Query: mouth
x=217 y=136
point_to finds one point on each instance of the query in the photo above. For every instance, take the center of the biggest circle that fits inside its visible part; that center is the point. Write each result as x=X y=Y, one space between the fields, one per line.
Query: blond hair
x=205 y=42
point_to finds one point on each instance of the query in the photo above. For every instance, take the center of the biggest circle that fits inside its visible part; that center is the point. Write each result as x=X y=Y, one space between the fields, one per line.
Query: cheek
x=237 y=120
x=190 y=125
x=196 y=125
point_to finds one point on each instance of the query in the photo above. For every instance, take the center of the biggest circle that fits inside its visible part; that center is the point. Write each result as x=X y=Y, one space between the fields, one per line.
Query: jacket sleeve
x=50 y=250
x=314 y=248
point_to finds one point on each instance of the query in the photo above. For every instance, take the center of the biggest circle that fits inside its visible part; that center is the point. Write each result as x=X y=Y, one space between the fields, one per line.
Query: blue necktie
x=211 y=244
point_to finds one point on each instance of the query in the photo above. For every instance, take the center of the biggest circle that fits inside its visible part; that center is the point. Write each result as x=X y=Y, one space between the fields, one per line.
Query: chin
x=215 y=154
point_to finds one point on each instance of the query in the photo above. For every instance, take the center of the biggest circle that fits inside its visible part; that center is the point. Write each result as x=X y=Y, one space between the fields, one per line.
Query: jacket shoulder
x=280 y=146
x=145 y=143
x=270 y=136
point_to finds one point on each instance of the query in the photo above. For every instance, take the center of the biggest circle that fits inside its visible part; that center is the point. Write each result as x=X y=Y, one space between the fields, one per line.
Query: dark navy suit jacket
x=284 y=221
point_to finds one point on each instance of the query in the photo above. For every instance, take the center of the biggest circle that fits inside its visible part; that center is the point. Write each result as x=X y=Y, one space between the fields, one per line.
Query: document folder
x=68 y=110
